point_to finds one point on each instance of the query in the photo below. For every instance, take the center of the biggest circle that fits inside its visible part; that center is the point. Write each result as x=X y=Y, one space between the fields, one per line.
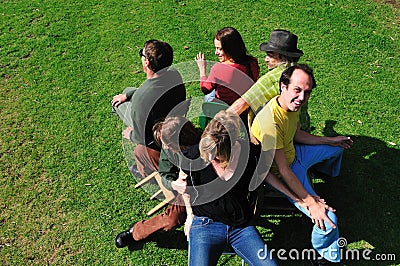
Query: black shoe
x=124 y=238
x=135 y=172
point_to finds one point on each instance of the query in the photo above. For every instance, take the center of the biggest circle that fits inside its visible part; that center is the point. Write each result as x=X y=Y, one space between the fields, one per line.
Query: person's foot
x=135 y=172
x=125 y=238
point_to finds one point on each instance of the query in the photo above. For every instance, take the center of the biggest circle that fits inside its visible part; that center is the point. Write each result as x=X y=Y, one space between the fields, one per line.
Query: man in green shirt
x=141 y=108
x=282 y=52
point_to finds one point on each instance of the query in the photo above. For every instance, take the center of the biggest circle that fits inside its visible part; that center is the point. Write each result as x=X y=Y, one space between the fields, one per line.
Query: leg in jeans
x=328 y=159
x=173 y=216
x=146 y=159
x=248 y=244
x=207 y=241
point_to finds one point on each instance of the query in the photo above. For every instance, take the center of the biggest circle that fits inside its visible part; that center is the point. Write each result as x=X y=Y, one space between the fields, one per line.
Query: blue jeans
x=210 y=97
x=327 y=159
x=208 y=239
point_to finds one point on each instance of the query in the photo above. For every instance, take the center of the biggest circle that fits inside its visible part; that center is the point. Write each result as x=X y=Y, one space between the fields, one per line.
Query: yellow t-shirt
x=275 y=128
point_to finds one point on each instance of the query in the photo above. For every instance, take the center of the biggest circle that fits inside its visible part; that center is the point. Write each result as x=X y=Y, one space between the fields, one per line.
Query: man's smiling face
x=297 y=93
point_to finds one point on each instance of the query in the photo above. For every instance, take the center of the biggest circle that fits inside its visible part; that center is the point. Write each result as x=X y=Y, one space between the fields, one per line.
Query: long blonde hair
x=219 y=137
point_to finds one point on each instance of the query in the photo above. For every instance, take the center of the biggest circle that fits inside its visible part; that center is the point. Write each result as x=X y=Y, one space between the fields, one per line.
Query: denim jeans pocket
x=201 y=221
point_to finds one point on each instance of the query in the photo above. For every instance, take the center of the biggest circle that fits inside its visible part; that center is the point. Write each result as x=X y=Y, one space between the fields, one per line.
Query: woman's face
x=222 y=57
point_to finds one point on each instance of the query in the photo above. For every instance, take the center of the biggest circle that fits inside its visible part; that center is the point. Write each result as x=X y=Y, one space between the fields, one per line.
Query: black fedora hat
x=283 y=42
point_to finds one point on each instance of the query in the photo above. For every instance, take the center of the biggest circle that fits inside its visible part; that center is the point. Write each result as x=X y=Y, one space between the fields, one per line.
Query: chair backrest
x=210 y=109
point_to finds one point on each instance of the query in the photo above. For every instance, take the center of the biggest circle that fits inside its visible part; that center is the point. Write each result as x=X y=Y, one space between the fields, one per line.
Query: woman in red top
x=236 y=71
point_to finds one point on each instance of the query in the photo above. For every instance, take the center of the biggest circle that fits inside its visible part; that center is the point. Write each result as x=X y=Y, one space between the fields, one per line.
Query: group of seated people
x=261 y=137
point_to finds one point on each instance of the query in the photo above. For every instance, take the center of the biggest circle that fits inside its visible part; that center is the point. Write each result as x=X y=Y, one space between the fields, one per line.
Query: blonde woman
x=219 y=213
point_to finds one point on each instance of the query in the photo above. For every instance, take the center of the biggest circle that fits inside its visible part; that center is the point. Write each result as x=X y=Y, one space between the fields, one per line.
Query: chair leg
x=168 y=195
x=145 y=180
x=159 y=206
x=156 y=194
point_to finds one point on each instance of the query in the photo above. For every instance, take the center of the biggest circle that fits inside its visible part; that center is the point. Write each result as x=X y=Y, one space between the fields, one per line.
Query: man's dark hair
x=159 y=54
x=291 y=59
x=177 y=132
x=287 y=75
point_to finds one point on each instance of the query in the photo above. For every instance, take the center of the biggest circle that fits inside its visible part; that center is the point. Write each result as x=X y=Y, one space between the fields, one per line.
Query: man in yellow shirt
x=294 y=151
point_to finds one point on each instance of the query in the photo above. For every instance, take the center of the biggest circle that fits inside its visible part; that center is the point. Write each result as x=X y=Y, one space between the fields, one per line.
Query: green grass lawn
x=65 y=188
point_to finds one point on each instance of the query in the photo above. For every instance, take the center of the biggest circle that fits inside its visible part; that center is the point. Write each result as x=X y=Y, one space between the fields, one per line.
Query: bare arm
x=274 y=181
x=202 y=64
x=189 y=213
x=239 y=106
x=188 y=205
x=307 y=138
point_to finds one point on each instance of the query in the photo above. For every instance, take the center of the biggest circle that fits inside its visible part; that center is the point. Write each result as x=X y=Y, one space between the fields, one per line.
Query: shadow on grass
x=367 y=195
x=173 y=239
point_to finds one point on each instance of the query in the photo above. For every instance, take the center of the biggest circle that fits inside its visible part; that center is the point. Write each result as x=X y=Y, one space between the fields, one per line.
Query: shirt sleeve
x=264 y=89
x=266 y=130
x=129 y=92
x=260 y=93
x=208 y=84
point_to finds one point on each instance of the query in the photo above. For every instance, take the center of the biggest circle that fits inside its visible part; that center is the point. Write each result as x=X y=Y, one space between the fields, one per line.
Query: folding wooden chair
x=167 y=194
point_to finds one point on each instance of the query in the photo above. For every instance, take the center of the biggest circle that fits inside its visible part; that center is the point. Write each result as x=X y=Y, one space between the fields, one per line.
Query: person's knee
x=171 y=222
x=139 y=150
x=332 y=216
x=173 y=217
x=336 y=150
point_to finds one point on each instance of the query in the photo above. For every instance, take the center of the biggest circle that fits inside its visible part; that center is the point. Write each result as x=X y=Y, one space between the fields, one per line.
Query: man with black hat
x=282 y=52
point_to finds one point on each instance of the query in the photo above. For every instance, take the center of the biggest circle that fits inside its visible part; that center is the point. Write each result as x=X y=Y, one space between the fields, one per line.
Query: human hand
x=118 y=99
x=200 y=58
x=342 y=141
x=179 y=185
x=253 y=139
x=127 y=133
x=188 y=225
x=201 y=63
x=318 y=215
x=302 y=204
x=327 y=207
